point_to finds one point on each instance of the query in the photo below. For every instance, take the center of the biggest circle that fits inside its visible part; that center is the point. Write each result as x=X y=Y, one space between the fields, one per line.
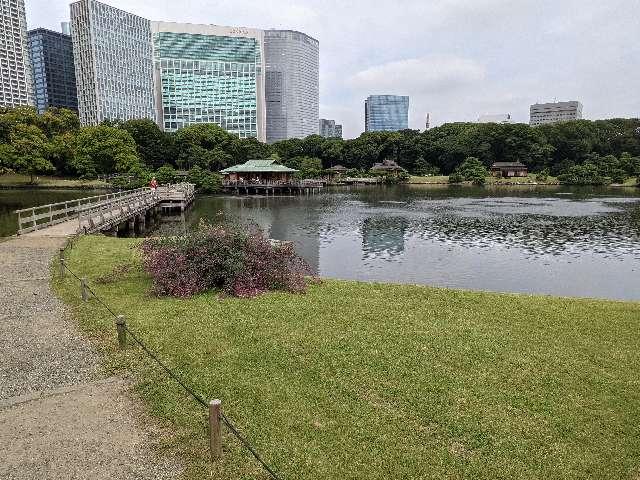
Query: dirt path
x=58 y=417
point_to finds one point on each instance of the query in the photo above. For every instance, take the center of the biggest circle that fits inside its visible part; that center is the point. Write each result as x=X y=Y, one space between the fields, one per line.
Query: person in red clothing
x=153 y=184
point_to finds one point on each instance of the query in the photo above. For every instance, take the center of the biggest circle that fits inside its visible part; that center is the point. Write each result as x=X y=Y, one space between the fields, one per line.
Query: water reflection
x=585 y=243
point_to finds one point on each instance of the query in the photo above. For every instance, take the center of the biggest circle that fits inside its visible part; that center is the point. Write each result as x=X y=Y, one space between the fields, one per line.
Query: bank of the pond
x=372 y=381
x=14 y=180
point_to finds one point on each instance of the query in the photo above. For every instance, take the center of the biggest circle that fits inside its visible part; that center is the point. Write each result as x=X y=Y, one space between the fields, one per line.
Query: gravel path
x=58 y=417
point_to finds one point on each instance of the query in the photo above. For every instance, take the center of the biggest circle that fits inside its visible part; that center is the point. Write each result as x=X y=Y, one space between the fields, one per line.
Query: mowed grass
x=376 y=381
x=15 y=179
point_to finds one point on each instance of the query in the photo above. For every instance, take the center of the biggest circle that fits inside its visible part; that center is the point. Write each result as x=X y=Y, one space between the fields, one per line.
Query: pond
x=560 y=241
x=582 y=242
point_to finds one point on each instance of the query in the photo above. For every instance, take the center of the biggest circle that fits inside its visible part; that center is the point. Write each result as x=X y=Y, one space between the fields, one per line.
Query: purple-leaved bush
x=236 y=260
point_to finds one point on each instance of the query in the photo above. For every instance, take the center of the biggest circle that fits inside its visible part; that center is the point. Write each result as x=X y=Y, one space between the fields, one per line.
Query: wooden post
x=62 y=263
x=122 y=333
x=83 y=289
x=215 y=436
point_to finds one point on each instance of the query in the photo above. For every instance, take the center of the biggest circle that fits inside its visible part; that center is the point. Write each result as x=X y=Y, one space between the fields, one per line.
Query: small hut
x=258 y=172
x=509 y=169
x=388 y=167
x=336 y=171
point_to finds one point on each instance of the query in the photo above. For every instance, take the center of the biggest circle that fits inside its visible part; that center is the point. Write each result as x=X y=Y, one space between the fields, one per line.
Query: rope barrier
x=189 y=390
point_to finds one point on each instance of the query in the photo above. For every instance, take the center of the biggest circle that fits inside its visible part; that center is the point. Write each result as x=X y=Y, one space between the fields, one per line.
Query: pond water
x=559 y=241
x=552 y=240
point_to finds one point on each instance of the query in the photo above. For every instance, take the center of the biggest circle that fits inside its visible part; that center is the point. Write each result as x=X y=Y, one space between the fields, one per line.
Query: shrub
x=455 y=177
x=585 y=174
x=226 y=258
x=166 y=174
x=204 y=180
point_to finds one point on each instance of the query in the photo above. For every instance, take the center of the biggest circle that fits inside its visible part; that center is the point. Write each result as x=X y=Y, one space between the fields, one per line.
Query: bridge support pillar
x=131 y=224
x=141 y=224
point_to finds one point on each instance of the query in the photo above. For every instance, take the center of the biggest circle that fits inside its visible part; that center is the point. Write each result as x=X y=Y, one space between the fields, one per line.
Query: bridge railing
x=98 y=214
x=43 y=216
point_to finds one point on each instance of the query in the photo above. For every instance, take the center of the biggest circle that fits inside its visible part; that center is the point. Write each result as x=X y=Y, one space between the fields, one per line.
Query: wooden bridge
x=130 y=210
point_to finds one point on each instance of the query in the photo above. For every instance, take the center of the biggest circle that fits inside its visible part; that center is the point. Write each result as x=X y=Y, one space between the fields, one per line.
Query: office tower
x=541 y=113
x=497 y=118
x=210 y=74
x=292 y=84
x=15 y=70
x=113 y=59
x=54 y=76
x=386 y=113
x=329 y=128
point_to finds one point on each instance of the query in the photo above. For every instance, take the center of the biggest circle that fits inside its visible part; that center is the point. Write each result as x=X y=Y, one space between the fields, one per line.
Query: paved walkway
x=58 y=417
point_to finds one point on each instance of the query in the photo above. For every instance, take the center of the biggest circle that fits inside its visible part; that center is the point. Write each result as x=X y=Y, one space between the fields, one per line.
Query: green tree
x=207 y=145
x=30 y=146
x=154 y=146
x=472 y=170
x=105 y=149
x=166 y=174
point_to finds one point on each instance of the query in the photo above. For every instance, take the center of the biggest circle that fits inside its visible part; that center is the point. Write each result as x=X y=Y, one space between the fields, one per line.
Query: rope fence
x=216 y=416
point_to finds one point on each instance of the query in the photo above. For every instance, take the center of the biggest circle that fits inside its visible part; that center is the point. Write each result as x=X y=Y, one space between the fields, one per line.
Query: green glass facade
x=203 y=78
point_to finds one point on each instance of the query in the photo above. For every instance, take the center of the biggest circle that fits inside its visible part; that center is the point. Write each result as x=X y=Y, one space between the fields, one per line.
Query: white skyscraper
x=15 y=68
x=541 y=113
x=292 y=84
x=113 y=57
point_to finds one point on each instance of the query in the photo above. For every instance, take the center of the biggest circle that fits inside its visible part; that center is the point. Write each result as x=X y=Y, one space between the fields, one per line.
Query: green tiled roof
x=254 y=166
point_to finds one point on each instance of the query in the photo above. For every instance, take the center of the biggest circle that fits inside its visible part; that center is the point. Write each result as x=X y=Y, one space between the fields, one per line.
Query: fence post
x=215 y=436
x=122 y=333
x=83 y=289
x=62 y=263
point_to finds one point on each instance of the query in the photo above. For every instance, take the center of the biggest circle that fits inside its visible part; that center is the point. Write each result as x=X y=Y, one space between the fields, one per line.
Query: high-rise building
x=54 y=76
x=16 y=82
x=292 y=84
x=386 y=113
x=329 y=128
x=497 y=118
x=541 y=113
x=210 y=74
x=113 y=58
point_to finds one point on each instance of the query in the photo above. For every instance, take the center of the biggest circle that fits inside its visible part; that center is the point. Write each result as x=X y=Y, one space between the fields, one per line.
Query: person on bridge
x=153 y=184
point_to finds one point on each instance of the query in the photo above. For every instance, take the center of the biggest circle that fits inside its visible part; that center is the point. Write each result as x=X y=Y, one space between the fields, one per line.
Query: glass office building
x=113 y=58
x=330 y=129
x=16 y=83
x=386 y=113
x=292 y=84
x=54 y=78
x=210 y=74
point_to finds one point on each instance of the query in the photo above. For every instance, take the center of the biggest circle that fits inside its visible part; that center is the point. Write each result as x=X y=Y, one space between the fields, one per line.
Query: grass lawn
x=491 y=180
x=433 y=179
x=14 y=179
x=376 y=381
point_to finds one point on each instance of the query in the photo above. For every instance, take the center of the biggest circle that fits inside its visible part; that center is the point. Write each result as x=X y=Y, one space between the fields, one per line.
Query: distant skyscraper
x=498 y=118
x=386 y=113
x=541 y=113
x=329 y=128
x=210 y=74
x=16 y=82
x=113 y=63
x=292 y=84
x=53 y=71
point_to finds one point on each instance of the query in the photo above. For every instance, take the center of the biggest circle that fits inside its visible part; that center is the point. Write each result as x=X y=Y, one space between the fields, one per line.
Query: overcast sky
x=456 y=59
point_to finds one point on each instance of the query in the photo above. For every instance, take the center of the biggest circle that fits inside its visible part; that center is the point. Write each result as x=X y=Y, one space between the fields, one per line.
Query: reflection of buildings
x=383 y=237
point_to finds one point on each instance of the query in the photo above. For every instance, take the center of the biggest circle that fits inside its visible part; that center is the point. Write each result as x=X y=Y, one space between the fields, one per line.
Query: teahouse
x=336 y=171
x=509 y=169
x=387 y=166
x=258 y=172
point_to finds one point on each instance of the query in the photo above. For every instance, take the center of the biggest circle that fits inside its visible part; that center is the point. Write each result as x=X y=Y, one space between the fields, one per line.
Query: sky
x=456 y=59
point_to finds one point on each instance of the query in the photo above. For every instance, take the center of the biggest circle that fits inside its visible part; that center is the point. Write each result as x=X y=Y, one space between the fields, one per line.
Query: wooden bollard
x=122 y=332
x=62 y=263
x=215 y=436
x=83 y=289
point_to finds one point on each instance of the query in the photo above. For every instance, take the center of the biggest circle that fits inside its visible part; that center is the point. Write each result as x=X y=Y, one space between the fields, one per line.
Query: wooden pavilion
x=509 y=169
x=268 y=177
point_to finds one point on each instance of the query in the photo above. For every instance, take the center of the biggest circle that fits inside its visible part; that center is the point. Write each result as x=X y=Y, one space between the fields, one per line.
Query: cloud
x=433 y=74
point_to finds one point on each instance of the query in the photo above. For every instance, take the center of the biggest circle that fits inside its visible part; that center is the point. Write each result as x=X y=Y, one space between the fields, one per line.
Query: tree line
x=54 y=143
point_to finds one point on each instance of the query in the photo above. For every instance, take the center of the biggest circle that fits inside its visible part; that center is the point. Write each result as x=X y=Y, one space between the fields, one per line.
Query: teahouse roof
x=386 y=165
x=338 y=168
x=508 y=165
x=259 y=166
